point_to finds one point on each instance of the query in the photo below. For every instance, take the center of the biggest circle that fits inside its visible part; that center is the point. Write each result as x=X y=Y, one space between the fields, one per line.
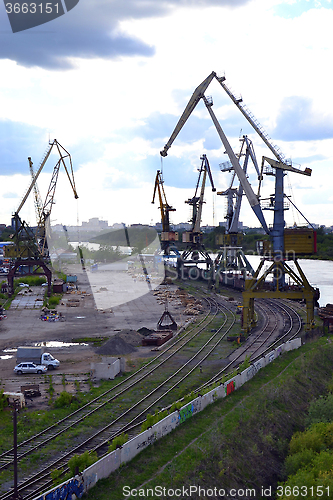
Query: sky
x=109 y=80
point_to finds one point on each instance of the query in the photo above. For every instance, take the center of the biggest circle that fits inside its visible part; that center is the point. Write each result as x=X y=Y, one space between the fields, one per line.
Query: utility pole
x=15 y=408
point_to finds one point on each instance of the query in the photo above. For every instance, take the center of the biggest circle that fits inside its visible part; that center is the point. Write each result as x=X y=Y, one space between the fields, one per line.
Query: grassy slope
x=239 y=442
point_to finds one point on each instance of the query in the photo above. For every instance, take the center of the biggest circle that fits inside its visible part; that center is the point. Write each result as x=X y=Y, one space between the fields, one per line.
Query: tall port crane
x=168 y=237
x=30 y=252
x=281 y=240
x=231 y=257
x=195 y=252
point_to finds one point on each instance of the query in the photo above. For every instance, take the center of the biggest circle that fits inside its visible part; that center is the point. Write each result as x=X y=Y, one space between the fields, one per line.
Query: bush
x=318 y=437
x=65 y=399
x=321 y=410
x=54 y=301
x=56 y=476
x=80 y=462
x=117 y=442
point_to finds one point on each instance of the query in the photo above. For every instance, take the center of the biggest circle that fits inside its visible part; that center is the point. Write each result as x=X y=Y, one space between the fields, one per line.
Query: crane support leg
x=257 y=288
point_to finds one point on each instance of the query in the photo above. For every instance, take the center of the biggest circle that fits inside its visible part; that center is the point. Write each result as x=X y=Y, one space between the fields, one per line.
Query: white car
x=29 y=368
x=23 y=285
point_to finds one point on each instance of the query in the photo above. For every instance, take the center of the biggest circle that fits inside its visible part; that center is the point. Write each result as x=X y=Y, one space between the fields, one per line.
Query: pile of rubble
x=179 y=297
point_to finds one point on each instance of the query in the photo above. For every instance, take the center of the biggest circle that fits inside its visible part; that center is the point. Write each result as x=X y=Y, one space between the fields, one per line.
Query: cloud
x=296 y=9
x=90 y=30
x=17 y=142
x=299 y=121
x=309 y=159
x=10 y=195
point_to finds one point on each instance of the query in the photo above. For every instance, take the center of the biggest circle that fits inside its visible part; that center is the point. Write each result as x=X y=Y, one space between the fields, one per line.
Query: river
x=319 y=273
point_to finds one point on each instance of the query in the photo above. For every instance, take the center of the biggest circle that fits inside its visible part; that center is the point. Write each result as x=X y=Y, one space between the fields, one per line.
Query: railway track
x=276 y=318
x=280 y=323
x=132 y=416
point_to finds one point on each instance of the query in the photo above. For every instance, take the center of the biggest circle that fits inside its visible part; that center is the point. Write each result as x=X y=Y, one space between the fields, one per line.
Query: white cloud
x=102 y=109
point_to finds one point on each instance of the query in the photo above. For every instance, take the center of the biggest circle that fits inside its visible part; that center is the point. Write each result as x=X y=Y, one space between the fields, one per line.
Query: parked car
x=23 y=285
x=29 y=368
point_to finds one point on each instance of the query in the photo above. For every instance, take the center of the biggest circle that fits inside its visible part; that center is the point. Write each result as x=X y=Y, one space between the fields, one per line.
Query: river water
x=319 y=273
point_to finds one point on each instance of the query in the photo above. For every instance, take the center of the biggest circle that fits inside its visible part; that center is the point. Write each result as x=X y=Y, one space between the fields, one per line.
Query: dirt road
x=23 y=325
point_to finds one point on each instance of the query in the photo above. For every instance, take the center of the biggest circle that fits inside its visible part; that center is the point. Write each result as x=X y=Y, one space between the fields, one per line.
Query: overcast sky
x=109 y=80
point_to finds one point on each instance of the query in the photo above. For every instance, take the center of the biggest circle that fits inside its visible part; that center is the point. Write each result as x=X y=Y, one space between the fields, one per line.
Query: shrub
x=65 y=399
x=56 y=476
x=117 y=442
x=80 y=462
x=321 y=410
x=318 y=437
x=54 y=301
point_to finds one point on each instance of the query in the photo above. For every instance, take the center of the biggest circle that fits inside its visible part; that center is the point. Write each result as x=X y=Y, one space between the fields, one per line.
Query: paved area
x=101 y=311
x=29 y=298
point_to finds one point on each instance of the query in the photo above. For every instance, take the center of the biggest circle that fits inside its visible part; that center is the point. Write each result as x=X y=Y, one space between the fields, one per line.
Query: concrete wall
x=107 y=369
x=80 y=484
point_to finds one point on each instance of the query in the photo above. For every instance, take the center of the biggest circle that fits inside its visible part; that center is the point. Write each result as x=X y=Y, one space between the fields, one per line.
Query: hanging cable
x=162 y=168
x=295 y=213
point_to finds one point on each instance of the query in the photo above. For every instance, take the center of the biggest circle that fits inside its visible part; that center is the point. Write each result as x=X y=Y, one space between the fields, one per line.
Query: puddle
x=56 y=343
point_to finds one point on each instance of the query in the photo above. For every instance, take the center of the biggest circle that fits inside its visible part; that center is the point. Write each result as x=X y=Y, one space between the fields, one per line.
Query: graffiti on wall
x=185 y=413
x=230 y=388
x=65 y=491
x=150 y=439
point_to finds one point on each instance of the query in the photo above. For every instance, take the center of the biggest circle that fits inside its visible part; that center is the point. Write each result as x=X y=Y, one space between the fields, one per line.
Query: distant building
x=183 y=226
x=225 y=224
x=95 y=223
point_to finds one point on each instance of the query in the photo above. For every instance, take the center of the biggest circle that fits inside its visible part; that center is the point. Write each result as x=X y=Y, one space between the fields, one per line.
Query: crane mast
x=168 y=237
x=195 y=252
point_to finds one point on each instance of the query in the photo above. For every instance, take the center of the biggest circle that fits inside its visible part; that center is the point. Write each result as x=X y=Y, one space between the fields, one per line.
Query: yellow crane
x=168 y=237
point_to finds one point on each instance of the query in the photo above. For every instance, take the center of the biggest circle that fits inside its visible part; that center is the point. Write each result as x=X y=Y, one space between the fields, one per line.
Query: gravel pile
x=145 y=331
x=125 y=342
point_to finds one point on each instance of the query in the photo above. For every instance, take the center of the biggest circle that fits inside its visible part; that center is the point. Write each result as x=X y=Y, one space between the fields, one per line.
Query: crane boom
x=251 y=119
x=35 y=177
x=251 y=196
x=196 y=96
x=37 y=200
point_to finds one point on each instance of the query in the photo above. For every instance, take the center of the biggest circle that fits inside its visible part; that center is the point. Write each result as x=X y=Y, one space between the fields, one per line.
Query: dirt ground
x=81 y=319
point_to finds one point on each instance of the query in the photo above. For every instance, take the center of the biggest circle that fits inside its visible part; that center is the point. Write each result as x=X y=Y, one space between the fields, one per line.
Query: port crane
x=232 y=257
x=195 y=252
x=168 y=237
x=30 y=252
x=281 y=240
